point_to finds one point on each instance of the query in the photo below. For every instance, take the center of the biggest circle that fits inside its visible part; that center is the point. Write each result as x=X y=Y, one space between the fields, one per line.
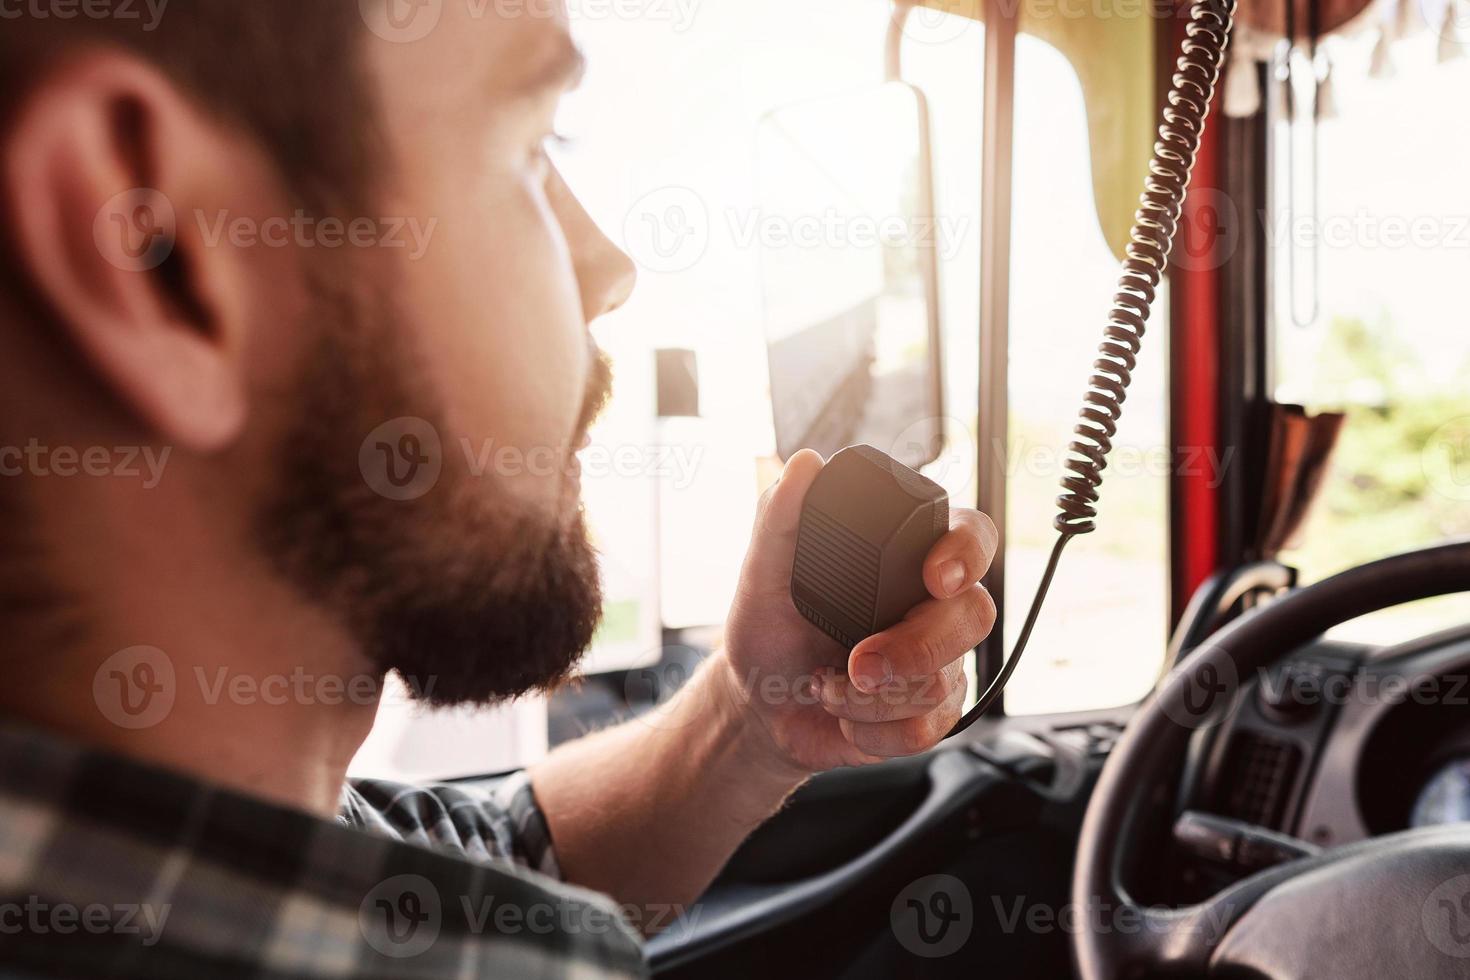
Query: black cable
x=996 y=686
x=1192 y=88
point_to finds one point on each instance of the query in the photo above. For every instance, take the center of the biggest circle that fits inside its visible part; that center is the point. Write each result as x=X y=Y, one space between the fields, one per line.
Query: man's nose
x=607 y=276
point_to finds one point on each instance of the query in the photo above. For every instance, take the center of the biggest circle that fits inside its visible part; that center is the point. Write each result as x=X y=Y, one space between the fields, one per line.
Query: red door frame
x=1195 y=291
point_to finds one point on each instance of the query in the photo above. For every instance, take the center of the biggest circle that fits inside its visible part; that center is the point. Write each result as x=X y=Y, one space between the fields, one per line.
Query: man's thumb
x=773 y=543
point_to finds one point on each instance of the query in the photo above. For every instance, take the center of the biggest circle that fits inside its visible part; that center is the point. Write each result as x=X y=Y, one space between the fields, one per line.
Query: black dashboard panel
x=1425 y=727
x=1336 y=743
x=812 y=892
x=1409 y=706
x=1260 y=763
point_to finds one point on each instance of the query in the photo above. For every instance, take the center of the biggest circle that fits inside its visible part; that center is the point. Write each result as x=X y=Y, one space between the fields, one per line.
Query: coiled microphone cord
x=1192 y=88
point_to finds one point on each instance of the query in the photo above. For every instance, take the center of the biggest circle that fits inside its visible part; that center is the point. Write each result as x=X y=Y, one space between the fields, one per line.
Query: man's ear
x=103 y=165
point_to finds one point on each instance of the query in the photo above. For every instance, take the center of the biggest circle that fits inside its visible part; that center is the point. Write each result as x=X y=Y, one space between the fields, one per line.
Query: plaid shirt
x=111 y=868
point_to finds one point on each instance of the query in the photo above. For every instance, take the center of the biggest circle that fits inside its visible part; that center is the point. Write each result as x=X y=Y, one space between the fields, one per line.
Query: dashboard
x=1341 y=742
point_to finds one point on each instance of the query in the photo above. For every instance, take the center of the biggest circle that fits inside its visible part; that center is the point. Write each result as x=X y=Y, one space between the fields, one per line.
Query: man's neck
x=281 y=731
x=207 y=667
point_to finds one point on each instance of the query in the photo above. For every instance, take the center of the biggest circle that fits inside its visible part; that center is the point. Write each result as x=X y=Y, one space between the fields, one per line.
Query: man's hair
x=287 y=71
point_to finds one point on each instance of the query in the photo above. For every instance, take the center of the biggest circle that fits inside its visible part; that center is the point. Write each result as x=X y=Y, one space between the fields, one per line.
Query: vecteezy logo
x=402 y=459
x=649 y=691
x=1201 y=689
x=934 y=21
x=134 y=688
x=136 y=230
x=1450 y=19
x=1458 y=915
x=401 y=917
x=1446 y=459
x=667 y=230
x=944 y=916
x=1445 y=917
x=410 y=450
x=944 y=445
x=401 y=21
x=1198 y=692
x=1209 y=231
x=933 y=917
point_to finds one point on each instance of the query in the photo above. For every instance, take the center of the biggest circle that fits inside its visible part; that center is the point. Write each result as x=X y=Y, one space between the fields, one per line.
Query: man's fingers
x=962 y=557
x=902 y=698
x=773 y=542
x=933 y=635
x=907 y=737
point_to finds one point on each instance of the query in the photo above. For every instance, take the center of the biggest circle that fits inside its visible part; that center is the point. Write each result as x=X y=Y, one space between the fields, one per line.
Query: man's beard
x=471 y=595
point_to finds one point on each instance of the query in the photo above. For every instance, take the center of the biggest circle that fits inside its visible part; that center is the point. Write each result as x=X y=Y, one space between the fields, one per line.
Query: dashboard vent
x=1259 y=774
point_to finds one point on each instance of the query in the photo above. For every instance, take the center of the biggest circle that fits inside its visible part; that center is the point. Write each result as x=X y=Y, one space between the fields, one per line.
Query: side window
x=1369 y=312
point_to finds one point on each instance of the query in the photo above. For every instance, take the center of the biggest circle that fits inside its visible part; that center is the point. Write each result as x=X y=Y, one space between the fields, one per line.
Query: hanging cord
x=1206 y=37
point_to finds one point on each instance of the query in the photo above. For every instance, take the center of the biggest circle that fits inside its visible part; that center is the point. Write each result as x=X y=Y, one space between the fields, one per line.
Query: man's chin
x=477 y=638
x=471 y=599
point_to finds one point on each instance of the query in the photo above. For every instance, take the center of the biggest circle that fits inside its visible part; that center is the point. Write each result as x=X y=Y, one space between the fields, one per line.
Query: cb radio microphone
x=866 y=527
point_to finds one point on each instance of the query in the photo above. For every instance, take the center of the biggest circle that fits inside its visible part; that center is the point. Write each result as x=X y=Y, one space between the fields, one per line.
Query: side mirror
x=849 y=272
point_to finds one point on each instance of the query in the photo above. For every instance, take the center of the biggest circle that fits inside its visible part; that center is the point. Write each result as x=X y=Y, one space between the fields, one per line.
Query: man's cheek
x=518 y=423
x=511 y=347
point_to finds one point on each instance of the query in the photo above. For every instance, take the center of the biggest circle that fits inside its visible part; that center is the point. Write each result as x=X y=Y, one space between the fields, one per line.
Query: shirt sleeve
x=492 y=820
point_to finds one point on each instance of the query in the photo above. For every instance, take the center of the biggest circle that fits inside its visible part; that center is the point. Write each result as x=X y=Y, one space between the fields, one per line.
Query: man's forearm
x=649 y=812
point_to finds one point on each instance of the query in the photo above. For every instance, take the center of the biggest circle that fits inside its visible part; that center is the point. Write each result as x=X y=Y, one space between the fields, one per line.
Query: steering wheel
x=1392 y=906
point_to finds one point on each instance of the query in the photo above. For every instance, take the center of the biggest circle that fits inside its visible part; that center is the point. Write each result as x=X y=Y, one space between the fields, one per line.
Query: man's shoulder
x=445 y=911
x=508 y=883
x=197 y=880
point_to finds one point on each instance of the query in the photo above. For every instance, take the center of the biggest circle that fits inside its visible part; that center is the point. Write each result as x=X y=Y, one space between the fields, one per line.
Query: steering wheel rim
x=1197 y=694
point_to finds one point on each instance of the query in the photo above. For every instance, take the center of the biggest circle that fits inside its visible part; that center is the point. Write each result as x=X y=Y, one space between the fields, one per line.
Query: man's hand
x=899 y=691
x=780 y=702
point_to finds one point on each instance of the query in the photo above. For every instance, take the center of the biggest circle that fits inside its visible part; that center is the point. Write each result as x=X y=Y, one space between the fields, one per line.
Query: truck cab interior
x=1167 y=288
x=1239 y=743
